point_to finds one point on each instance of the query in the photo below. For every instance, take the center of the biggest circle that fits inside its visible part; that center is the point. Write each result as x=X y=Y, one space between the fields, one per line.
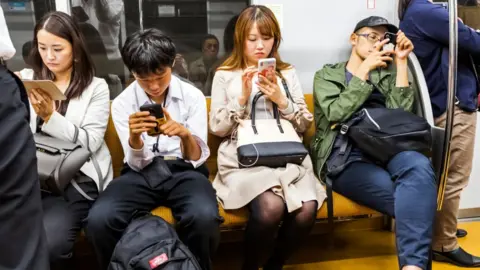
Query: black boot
x=461 y=233
x=457 y=257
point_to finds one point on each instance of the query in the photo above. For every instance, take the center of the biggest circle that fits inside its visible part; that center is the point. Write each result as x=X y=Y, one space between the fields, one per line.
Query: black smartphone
x=392 y=37
x=157 y=111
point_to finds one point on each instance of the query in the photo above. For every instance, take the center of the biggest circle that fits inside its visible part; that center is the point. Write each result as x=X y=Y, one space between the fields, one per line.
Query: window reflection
x=469 y=12
x=202 y=31
x=21 y=16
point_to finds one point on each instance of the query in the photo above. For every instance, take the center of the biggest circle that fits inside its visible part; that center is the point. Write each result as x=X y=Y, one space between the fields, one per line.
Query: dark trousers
x=406 y=190
x=63 y=218
x=189 y=194
x=22 y=237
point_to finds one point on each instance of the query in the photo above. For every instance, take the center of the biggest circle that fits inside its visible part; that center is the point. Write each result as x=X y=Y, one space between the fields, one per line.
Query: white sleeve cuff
x=138 y=159
x=205 y=152
x=291 y=108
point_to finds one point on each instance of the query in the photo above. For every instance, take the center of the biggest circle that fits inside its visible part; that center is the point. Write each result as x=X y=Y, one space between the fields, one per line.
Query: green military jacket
x=336 y=101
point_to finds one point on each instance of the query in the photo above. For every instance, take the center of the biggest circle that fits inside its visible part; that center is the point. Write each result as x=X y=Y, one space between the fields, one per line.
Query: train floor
x=359 y=250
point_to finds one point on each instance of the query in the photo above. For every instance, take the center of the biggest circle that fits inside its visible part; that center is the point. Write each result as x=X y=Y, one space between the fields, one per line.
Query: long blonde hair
x=267 y=25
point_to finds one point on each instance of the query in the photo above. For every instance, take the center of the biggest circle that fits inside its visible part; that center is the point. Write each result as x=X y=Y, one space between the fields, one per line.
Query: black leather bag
x=382 y=133
x=59 y=161
x=269 y=142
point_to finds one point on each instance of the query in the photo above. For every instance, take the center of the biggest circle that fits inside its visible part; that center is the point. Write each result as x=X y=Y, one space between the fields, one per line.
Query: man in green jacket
x=376 y=76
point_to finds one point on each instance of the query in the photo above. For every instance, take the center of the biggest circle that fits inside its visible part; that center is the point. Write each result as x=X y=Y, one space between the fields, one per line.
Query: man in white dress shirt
x=182 y=147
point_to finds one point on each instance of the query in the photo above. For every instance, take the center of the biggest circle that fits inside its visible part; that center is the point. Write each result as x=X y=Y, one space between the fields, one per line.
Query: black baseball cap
x=376 y=21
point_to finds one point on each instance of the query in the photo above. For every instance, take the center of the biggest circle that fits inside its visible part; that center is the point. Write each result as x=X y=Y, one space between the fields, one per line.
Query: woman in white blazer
x=59 y=54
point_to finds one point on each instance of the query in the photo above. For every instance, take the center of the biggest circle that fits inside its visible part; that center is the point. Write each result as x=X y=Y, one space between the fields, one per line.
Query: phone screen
x=266 y=67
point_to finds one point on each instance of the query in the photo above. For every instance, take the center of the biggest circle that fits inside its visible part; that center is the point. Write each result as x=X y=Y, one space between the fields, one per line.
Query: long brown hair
x=267 y=25
x=62 y=25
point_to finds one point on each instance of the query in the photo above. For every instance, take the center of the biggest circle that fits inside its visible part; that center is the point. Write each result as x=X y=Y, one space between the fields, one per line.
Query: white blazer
x=91 y=112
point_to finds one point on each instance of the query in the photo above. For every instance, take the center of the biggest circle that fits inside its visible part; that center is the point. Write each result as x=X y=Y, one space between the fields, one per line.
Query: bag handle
x=101 y=180
x=275 y=113
x=285 y=85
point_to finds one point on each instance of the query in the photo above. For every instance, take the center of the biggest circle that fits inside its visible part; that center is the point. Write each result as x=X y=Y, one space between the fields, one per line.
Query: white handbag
x=268 y=142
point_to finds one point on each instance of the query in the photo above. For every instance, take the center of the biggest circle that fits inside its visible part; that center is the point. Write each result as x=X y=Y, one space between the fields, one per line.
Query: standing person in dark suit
x=21 y=229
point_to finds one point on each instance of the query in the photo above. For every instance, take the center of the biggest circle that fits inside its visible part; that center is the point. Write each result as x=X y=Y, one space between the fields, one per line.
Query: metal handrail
x=452 y=89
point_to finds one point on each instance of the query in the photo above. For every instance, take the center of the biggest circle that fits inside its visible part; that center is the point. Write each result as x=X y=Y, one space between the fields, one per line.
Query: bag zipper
x=371 y=119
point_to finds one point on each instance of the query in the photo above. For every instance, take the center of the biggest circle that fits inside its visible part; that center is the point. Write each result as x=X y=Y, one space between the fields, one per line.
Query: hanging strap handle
x=275 y=113
x=94 y=160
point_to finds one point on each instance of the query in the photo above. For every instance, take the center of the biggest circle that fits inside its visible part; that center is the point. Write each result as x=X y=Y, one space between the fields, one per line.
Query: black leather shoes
x=458 y=257
x=461 y=233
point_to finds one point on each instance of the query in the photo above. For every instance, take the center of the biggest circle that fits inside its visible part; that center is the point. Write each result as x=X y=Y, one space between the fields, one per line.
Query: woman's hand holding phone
x=247 y=77
x=42 y=103
x=272 y=91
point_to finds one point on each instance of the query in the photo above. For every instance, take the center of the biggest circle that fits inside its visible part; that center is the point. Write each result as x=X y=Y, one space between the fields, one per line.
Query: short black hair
x=208 y=37
x=148 y=51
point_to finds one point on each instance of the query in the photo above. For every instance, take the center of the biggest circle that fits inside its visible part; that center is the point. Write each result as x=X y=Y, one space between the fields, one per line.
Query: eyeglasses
x=372 y=37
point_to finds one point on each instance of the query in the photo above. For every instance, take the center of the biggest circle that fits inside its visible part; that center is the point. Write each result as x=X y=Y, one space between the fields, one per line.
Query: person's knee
x=305 y=217
x=203 y=217
x=268 y=212
x=100 y=219
x=419 y=166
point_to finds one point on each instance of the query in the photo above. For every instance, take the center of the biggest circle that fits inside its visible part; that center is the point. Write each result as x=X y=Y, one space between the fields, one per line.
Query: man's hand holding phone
x=138 y=123
x=146 y=121
x=172 y=128
x=378 y=58
x=404 y=47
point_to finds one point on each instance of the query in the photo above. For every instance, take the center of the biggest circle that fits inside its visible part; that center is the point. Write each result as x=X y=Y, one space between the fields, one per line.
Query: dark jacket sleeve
x=20 y=202
x=434 y=24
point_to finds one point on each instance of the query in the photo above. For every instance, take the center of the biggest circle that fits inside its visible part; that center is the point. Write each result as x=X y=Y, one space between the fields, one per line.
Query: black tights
x=267 y=211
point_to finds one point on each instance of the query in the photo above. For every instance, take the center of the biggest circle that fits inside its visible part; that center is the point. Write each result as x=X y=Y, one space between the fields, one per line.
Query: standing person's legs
x=22 y=236
x=193 y=201
x=415 y=207
x=63 y=219
x=113 y=210
x=461 y=156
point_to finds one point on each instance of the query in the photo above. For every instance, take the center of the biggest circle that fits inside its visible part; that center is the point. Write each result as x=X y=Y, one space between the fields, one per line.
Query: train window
x=468 y=11
x=21 y=16
x=201 y=29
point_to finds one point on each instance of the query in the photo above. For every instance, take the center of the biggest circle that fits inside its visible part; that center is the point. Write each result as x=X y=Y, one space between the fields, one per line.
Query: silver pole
x=140 y=9
x=452 y=89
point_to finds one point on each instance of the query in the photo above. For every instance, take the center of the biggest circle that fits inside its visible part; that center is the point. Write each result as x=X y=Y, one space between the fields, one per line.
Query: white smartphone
x=46 y=85
x=267 y=67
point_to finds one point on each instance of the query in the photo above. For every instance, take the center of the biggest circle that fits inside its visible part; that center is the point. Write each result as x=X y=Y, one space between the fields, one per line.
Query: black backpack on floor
x=148 y=243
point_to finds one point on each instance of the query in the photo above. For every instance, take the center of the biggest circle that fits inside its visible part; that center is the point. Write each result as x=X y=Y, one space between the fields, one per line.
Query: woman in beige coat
x=290 y=195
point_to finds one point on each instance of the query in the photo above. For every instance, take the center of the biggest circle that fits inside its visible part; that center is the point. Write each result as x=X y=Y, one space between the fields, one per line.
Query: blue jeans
x=406 y=190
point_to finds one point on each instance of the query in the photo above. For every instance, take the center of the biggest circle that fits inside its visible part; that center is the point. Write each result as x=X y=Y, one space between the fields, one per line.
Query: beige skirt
x=236 y=187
